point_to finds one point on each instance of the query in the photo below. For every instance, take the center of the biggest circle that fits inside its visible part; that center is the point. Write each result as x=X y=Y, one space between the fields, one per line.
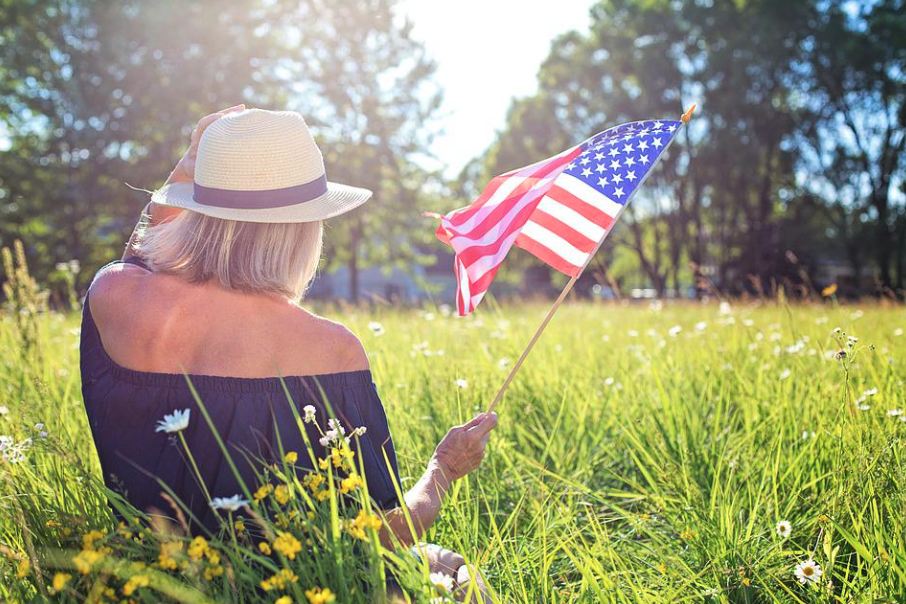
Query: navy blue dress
x=124 y=406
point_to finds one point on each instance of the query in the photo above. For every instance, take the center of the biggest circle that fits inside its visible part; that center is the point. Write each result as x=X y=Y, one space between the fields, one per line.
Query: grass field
x=644 y=454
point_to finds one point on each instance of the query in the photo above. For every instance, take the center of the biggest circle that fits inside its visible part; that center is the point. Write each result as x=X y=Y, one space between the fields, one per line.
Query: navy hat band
x=260 y=200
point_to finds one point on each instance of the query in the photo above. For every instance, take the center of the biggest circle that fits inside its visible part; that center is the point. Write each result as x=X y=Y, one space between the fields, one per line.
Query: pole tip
x=688 y=115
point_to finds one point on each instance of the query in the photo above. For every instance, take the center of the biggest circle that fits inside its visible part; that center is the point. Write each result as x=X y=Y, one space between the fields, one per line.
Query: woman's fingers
x=206 y=121
x=486 y=422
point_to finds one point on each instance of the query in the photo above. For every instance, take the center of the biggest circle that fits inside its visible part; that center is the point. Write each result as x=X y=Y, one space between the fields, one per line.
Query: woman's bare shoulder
x=347 y=352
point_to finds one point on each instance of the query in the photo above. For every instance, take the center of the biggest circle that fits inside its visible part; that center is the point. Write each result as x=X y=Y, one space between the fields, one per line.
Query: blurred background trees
x=791 y=173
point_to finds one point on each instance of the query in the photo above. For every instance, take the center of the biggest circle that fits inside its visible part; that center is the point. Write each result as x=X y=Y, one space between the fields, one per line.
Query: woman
x=207 y=292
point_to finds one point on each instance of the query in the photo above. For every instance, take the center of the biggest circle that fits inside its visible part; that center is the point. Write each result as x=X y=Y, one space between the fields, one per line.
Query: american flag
x=559 y=209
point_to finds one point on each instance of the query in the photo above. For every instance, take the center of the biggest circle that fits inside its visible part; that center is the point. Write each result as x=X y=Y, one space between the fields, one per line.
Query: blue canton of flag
x=617 y=161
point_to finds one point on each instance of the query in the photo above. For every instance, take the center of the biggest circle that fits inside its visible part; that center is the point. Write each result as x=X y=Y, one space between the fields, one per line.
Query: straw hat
x=261 y=166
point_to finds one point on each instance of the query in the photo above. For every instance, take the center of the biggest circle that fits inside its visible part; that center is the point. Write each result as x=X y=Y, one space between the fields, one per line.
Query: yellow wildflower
x=84 y=560
x=829 y=291
x=239 y=525
x=662 y=567
x=52 y=524
x=746 y=581
x=687 y=535
x=263 y=492
x=22 y=569
x=320 y=596
x=323 y=464
x=350 y=483
x=281 y=494
x=212 y=571
x=198 y=548
x=279 y=580
x=313 y=481
x=134 y=582
x=287 y=545
x=90 y=537
x=265 y=548
x=60 y=580
x=292 y=457
x=167 y=551
x=362 y=522
x=284 y=600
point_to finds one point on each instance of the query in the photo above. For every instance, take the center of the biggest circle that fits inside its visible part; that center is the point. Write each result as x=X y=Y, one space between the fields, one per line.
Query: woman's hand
x=462 y=449
x=185 y=168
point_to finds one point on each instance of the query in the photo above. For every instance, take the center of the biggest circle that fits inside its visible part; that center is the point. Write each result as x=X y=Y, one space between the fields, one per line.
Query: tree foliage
x=97 y=94
x=789 y=94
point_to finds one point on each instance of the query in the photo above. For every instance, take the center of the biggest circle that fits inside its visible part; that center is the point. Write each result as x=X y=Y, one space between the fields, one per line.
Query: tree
x=857 y=77
x=366 y=85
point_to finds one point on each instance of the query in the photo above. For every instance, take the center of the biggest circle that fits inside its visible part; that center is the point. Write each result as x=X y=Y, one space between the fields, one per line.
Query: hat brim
x=338 y=199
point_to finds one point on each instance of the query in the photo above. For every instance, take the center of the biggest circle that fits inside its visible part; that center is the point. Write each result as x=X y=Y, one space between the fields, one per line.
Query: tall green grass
x=644 y=453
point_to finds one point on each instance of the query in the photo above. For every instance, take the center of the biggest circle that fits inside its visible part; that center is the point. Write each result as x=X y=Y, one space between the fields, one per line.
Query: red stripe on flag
x=463 y=215
x=596 y=215
x=545 y=255
x=556 y=226
x=473 y=253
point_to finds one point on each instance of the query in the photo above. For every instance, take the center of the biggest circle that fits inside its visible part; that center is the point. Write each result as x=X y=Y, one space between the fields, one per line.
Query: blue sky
x=487 y=52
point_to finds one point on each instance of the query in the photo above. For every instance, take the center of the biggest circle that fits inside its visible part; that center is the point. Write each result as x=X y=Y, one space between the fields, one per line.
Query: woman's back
x=160 y=323
x=146 y=336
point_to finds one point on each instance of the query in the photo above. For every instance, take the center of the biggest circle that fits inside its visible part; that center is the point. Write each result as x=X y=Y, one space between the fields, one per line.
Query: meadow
x=677 y=452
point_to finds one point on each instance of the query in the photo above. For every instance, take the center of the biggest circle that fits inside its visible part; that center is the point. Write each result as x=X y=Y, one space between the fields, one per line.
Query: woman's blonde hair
x=278 y=258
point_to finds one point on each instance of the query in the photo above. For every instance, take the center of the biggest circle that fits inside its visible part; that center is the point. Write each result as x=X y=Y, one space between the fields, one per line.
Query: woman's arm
x=460 y=452
x=183 y=172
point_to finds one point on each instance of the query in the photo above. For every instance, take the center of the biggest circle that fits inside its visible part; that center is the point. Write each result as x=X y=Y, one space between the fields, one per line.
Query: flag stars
x=599 y=156
x=657 y=143
x=643 y=145
x=600 y=168
x=629 y=161
x=615 y=165
x=618 y=192
x=603 y=182
x=644 y=159
x=613 y=152
x=617 y=178
x=586 y=172
x=571 y=165
x=585 y=161
x=628 y=149
x=630 y=176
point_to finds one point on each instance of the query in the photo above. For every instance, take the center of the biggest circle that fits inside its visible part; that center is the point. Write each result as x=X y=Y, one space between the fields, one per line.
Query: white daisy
x=174 y=422
x=808 y=572
x=674 y=331
x=4 y=410
x=309 y=414
x=503 y=363
x=376 y=328
x=230 y=504
x=871 y=392
x=461 y=383
x=895 y=412
x=442 y=581
x=784 y=374
x=783 y=528
x=360 y=431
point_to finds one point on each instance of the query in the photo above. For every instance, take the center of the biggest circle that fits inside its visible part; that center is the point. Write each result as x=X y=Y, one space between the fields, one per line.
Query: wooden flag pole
x=569 y=286
x=547 y=320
